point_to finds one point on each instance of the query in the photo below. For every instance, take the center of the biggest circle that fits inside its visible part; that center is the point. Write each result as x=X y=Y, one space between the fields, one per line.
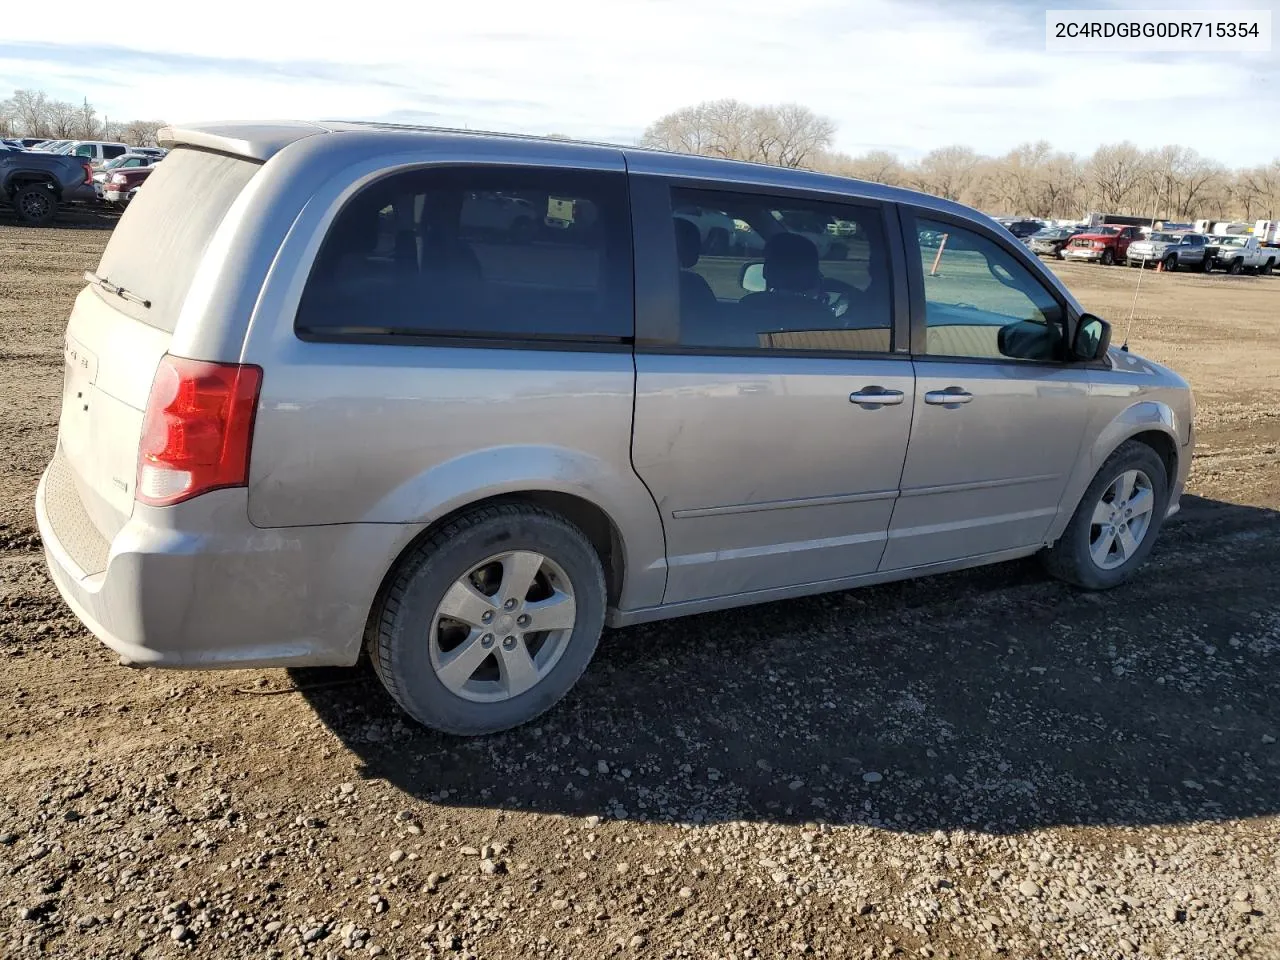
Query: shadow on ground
x=994 y=699
x=76 y=217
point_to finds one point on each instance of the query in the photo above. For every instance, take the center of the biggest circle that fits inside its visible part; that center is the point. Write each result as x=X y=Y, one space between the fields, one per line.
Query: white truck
x=1237 y=254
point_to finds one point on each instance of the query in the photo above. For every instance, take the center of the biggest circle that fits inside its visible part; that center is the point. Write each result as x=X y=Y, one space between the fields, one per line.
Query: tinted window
x=482 y=251
x=779 y=273
x=114 y=151
x=980 y=301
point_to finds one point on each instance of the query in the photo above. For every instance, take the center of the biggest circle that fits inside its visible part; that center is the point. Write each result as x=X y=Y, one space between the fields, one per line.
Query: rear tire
x=35 y=204
x=1074 y=557
x=1266 y=268
x=414 y=640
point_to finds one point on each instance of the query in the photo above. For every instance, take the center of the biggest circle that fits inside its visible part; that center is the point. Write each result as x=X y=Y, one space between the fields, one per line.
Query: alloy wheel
x=1121 y=519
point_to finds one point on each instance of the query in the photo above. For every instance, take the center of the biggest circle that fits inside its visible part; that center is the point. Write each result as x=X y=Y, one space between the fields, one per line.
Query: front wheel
x=491 y=620
x=1108 y=258
x=1116 y=523
x=1236 y=268
x=1171 y=263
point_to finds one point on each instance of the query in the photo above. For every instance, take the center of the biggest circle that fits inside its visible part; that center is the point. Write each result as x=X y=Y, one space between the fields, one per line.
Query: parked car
x=49 y=146
x=28 y=142
x=1050 y=241
x=1105 y=245
x=1171 y=250
x=37 y=184
x=1239 y=254
x=310 y=410
x=1024 y=228
x=121 y=185
x=127 y=161
x=97 y=151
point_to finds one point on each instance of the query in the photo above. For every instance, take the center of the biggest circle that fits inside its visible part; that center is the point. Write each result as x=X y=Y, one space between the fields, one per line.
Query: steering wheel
x=839 y=295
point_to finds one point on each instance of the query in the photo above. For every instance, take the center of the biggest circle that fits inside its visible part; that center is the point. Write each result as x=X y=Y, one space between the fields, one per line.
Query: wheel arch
x=598 y=527
x=1152 y=422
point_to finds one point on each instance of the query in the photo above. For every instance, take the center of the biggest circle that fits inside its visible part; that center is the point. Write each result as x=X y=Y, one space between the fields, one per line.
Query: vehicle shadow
x=71 y=218
x=992 y=699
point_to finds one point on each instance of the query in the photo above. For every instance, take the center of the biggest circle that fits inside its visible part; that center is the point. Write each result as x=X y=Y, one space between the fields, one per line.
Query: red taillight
x=88 y=172
x=197 y=429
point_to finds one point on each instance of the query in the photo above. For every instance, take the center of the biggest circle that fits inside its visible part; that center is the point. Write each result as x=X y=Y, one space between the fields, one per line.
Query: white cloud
x=906 y=75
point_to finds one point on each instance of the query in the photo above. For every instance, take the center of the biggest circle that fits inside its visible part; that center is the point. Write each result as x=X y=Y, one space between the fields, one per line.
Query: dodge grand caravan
x=326 y=394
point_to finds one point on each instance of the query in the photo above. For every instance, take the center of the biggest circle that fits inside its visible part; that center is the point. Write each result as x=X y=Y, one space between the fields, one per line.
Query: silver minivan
x=459 y=400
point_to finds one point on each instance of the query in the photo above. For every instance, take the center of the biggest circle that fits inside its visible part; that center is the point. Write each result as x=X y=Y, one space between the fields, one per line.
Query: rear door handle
x=950 y=397
x=877 y=397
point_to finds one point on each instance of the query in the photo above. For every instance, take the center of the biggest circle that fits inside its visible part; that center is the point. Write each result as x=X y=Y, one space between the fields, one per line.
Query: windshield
x=1164 y=237
x=1233 y=241
x=1106 y=231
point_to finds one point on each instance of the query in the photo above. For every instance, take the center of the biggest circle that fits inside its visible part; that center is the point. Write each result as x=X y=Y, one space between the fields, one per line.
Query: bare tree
x=86 y=123
x=31 y=112
x=140 y=133
x=1118 y=173
x=788 y=135
x=947 y=172
x=63 y=119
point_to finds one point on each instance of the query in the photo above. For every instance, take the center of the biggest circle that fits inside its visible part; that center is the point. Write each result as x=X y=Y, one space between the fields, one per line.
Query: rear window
x=159 y=242
x=498 y=252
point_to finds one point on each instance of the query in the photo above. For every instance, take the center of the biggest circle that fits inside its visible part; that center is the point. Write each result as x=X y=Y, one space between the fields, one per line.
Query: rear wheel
x=35 y=204
x=1108 y=258
x=1117 y=522
x=1267 y=267
x=491 y=620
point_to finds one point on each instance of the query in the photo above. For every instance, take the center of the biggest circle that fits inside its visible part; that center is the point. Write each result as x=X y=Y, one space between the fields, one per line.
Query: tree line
x=33 y=113
x=1033 y=179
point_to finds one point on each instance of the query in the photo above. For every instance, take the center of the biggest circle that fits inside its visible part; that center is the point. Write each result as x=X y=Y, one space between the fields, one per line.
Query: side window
x=85 y=150
x=777 y=273
x=981 y=302
x=110 y=152
x=477 y=252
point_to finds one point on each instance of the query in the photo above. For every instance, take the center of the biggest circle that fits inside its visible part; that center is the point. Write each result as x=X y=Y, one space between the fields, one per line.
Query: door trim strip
x=732 y=508
x=977 y=485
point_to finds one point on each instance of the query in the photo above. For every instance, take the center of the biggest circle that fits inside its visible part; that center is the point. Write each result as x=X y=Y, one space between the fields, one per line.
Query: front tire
x=1108 y=258
x=1237 y=266
x=1171 y=263
x=1116 y=523
x=491 y=620
x=35 y=204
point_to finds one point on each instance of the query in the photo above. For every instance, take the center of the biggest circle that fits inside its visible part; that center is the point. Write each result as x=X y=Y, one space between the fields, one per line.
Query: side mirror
x=751 y=277
x=1093 y=338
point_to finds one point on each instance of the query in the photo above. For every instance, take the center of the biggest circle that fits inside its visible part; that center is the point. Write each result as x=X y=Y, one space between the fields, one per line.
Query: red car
x=121 y=185
x=1106 y=244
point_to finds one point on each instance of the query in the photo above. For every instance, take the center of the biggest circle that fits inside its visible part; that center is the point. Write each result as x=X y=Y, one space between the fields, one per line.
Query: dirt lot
x=984 y=764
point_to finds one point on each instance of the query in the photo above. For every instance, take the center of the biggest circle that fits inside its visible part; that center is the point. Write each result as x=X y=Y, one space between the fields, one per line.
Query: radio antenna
x=1138 y=286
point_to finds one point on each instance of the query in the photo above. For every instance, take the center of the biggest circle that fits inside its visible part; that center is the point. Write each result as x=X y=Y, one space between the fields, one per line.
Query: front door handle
x=950 y=397
x=876 y=397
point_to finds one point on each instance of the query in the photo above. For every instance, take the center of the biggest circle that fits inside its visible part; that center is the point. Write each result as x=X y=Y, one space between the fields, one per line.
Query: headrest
x=688 y=242
x=791 y=263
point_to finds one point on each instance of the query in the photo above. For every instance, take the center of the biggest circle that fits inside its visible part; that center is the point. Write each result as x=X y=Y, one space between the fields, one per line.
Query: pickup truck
x=1172 y=251
x=37 y=184
x=1105 y=244
x=119 y=188
x=1237 y=254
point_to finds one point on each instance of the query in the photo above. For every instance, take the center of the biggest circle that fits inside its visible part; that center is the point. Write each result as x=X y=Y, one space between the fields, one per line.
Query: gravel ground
x=984 y=764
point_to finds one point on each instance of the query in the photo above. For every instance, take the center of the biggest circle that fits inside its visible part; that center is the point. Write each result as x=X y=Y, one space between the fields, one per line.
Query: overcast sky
x=903 y=75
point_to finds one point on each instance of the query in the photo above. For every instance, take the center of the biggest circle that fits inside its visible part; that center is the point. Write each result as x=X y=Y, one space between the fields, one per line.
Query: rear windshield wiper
x=118 y=290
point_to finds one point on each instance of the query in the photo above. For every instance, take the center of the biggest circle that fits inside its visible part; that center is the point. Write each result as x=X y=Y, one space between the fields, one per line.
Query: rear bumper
x=198 y=587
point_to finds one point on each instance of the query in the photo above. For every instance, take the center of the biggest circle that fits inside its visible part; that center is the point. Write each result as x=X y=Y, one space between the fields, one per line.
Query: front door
x=999 y=415
x=771 y=425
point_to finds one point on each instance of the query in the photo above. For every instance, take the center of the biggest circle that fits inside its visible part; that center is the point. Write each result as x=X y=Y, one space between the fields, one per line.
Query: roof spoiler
x=256 y=141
